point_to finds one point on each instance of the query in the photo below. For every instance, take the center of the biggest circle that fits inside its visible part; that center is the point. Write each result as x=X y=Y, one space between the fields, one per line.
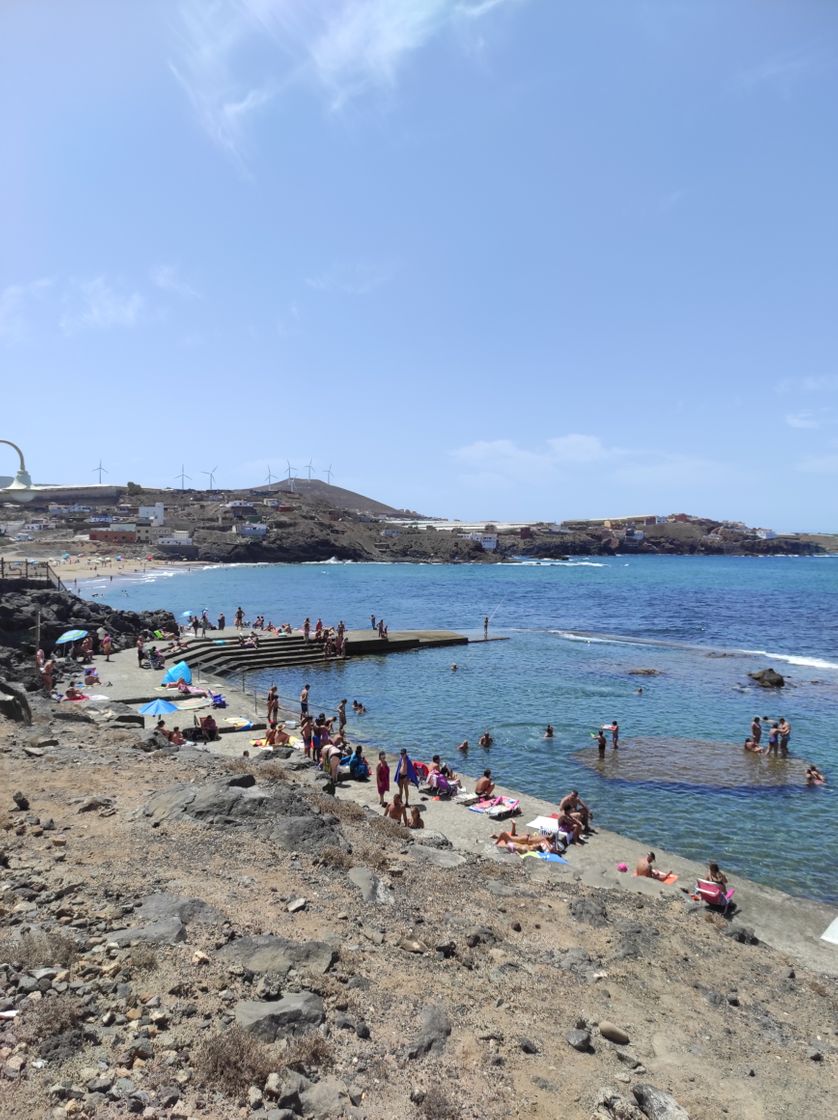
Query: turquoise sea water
x=680 y=780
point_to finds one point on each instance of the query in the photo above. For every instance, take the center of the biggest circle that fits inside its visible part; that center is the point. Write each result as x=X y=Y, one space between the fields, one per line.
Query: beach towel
x=830 y=934
x=411 y=770
x=497 y=807
x=667 y=882
x=548 y=857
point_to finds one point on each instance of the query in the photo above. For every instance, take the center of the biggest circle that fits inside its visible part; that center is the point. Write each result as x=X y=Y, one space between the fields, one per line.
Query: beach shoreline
x=791 y=924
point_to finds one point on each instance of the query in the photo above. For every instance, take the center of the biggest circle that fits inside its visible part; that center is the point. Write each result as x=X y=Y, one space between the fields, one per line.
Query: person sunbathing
x=532 y=842
x=395 y=810
x=415 y=818
x=91 y=676
x=644 y=868
x=73 y=693
x=485 y=786
x=276 y=736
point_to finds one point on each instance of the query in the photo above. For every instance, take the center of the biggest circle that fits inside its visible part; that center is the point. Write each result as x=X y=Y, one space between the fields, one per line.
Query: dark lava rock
x=269 y=953
x=768 y=678
x=579 y=1040
x=295 y=1013
x=658 y=1105
x=589 y=910
x=434 y=1029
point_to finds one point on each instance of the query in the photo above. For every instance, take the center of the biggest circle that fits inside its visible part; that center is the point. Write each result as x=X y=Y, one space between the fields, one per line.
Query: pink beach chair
x=714 y=894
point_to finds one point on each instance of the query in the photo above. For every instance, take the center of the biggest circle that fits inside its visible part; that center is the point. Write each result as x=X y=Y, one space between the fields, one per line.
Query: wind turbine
x=101 y=470
x=291 y=477
x=211 y=475
x=309 y=467
x=270 y=477
x=183 y=475
x=328 y=474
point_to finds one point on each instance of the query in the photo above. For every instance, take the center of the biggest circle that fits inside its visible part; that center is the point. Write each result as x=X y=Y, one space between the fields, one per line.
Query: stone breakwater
x=191 y=936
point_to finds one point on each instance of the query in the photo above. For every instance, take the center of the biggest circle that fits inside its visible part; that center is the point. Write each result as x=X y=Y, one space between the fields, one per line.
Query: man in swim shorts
x=756 y=730
x=644 y=869
x=785 y=734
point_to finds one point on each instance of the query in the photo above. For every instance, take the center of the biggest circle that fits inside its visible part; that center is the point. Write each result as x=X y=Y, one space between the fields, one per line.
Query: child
x=382 y=776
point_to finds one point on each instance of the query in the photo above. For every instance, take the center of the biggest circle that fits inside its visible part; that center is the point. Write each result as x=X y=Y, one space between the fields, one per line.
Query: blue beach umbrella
x=157 y=708
x=176 y=672
x=71 y=636
x=186 y=614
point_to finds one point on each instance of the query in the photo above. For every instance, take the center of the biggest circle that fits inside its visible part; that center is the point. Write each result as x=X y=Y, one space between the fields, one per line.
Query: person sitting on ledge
x=91 y=676
x=415 y=818
x=395 y=810
x=644 y=869
x=485 y=786
x=176 y=738
x=209 y=729
x=752 y=746
x=358 y=766
x=570 y=828
x=575 y=807
x=276 y=736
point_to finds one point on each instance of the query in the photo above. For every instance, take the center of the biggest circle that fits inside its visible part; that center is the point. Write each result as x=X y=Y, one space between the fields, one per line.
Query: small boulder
x=579 y=1040
x=657 y=1105
x=613 y=1033
x=434 y=1029
x=768 y=678
x=295 y=1013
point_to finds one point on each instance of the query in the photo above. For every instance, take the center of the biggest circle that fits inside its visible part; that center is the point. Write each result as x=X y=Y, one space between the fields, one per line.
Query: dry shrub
x=309 y=1053
x=39 y=950
x=343 y=810
x=333 y=856
x=376 y=858
x=272 y=772
x=436 y=1105
x=52 y=1017
x=389 y=828
x=144 y=958
x=818 y=988
x=233 y=1061
x=715 y=920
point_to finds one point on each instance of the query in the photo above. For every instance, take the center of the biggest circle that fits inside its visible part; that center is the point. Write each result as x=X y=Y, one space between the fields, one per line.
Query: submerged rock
x=768 y=678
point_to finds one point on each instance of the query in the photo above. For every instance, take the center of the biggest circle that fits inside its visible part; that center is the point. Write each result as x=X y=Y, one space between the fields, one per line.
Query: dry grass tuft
x=343 y=810
x=144 y=958
x=391 y=829
x=376 y=858
x=309 y=1053
x=52 y=1017
x=333 y=856
x=437 y=1105
x=715 y=920
x=39 y=950
x=233 y=1061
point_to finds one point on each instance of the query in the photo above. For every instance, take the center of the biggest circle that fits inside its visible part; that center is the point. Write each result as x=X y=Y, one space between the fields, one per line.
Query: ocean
x=575 y=632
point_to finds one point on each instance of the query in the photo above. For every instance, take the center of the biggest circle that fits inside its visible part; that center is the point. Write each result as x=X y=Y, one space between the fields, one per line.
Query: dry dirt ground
x=450 y=992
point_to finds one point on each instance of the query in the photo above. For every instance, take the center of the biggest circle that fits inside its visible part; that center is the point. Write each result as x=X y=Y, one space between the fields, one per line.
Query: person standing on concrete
x=273 y=704
x=304 y=700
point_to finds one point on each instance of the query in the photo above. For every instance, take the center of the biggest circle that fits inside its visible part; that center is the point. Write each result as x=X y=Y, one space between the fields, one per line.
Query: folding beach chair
x=714 y=894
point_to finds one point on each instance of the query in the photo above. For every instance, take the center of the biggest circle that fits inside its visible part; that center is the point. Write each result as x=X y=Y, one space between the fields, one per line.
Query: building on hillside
x=175 y=537
x=487 y=541
x=766 y=534
x=156 y=514
x=251 y=529
x=114 y=534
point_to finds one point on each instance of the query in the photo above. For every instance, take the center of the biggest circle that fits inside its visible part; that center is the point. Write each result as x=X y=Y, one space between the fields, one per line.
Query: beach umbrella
x=176 y=672
x=186 y=614
x=71 y=636
x=65 y=555
x=157 y=708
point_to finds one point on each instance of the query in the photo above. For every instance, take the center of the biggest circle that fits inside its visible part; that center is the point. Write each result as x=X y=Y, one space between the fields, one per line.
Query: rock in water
x=657 y=1105
x=768 y=678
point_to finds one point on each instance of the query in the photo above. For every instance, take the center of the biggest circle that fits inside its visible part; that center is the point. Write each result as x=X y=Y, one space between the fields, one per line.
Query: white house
x=156 y=514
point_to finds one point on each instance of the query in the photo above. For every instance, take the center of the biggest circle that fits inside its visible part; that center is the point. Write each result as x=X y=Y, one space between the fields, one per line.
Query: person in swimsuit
x=382 y=776
x=415 y=818
x=485 y=786
x=342 y=715
x=785 y=735
x=756 y=730
x=304 y=691
x=773 y=739
x=548 y=731
x=645 y=870
x=396 y=810
x=600 y=742
x=485 y=739
x=273 y=704
x=614 y=728
x=814 y=777
x=716 y=875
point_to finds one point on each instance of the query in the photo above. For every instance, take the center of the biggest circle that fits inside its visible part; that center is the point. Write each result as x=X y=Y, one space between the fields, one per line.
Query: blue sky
x=487 y=258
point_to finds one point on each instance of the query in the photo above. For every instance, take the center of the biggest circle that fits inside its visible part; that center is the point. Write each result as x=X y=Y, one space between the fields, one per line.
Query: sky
x=513 y=259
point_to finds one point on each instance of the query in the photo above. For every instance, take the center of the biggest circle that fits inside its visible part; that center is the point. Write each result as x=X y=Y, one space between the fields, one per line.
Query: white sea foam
x=793 y=659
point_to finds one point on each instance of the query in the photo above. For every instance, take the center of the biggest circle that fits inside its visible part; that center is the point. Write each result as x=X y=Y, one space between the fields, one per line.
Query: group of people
x=778 y=737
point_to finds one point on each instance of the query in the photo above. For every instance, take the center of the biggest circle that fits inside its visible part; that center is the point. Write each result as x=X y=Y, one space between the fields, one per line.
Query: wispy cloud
x=574 y=455
x=826 y=464
x=781 y=71
x=804 y=419
x=358 y=279
x=15 y=301
x=233 y=57
x=167 y=279
x=96 y=305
